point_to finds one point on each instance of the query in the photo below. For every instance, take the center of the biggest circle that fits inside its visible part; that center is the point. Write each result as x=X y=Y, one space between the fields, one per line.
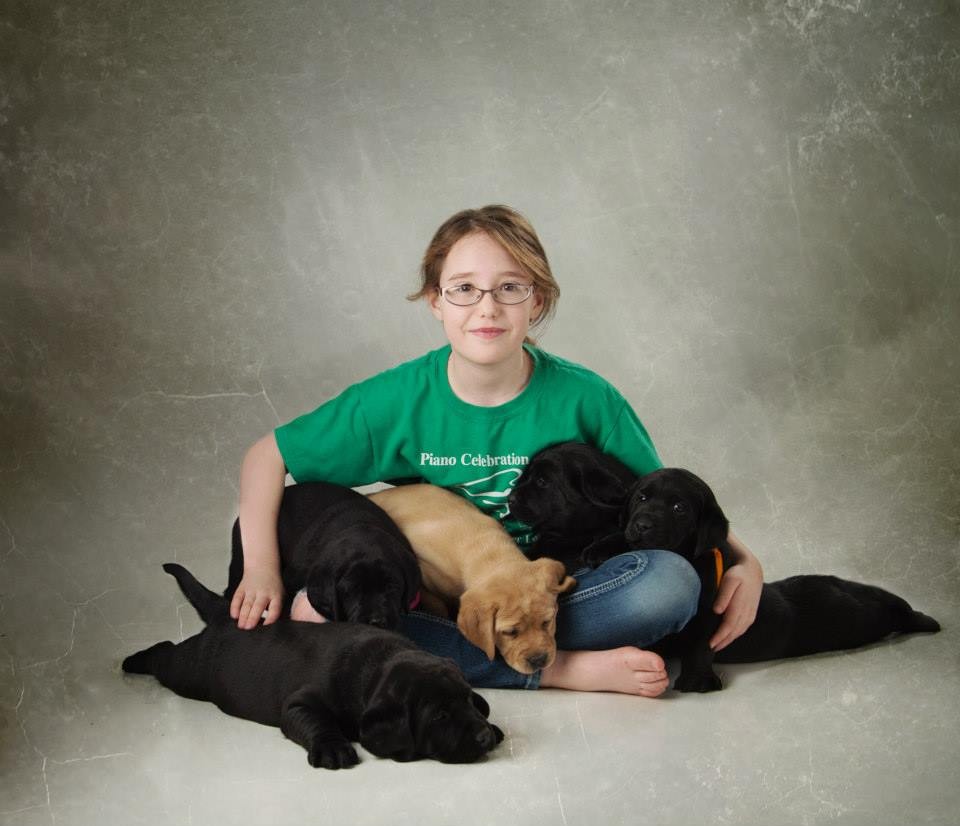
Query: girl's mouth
x=487 y=332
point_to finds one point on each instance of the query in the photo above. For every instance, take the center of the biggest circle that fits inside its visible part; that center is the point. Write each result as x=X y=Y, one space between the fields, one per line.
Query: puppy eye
x=540 y=482
x=641 y=497
x=510 y=632
x=546 y=625
x=679 y=507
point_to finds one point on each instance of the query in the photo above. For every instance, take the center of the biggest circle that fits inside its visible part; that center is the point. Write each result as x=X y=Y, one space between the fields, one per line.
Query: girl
x=468 y=417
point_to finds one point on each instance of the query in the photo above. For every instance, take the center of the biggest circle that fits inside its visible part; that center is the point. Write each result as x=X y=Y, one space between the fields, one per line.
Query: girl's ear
x=537 y=309
x=435 y=300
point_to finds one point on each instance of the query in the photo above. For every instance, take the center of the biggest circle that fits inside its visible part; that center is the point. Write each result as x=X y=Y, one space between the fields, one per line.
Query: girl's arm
x=738 y=596
x=262 y=477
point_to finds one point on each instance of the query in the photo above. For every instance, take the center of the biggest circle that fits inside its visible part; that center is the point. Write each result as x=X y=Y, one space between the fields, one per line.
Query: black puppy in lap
x=672 y=509
x=573 y=496
x=352 y=559
x=325 y=685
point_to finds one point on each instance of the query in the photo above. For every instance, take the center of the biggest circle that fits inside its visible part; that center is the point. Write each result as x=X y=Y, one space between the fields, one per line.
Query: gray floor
x=210 y=216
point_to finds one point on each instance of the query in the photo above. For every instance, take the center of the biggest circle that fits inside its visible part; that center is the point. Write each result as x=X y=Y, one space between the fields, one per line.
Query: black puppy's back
x=351 y=558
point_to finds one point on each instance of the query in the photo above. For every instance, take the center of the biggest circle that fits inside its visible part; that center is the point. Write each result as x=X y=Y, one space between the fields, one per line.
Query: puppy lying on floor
x=672 y=509
x=353 y=561
x=324 y=685
x=506 y=602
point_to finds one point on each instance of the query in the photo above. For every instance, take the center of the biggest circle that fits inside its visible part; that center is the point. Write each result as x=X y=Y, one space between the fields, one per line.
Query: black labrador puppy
x=352 y=559
x=672 y=509
x=573 y=496
x=325 y=685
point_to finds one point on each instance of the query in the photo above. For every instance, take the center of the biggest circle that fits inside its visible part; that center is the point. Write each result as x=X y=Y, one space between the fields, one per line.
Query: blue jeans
x=636 y=598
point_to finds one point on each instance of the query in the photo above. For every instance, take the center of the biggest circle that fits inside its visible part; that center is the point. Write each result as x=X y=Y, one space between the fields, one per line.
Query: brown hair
x=509 y=229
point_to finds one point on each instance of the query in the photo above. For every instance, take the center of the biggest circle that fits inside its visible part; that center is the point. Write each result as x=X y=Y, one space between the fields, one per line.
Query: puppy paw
x=329 y=755
x=700 y=682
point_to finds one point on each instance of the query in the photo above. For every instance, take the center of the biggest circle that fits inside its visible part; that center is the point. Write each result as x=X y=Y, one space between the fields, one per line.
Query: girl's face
x=486 y=333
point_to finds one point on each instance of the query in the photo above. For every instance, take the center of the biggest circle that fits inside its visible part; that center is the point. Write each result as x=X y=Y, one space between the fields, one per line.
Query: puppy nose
x=485 y=739
x=489 y=736
x=538 y=660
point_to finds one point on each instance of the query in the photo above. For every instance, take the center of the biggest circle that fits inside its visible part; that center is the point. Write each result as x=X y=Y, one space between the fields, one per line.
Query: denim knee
x=635 y=598
x=443 y=638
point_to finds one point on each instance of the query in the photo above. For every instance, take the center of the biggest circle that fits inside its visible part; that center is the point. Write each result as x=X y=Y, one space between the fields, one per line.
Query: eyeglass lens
x=465 y=294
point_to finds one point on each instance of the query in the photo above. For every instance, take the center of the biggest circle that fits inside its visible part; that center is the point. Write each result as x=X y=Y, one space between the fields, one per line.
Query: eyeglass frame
x=493 y=292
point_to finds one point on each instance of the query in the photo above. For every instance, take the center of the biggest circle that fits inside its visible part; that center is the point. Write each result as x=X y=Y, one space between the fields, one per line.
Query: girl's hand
x=257 y=592
x=737 y=599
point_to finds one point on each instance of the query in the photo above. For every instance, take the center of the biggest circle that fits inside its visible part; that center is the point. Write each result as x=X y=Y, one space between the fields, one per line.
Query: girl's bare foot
x=302 y=611
x=625 y=670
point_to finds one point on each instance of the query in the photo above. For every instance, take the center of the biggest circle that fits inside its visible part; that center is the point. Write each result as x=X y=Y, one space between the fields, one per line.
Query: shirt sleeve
x=629 y=441
x=330 y=444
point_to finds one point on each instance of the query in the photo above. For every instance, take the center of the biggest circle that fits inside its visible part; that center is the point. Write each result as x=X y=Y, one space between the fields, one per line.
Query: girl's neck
x=489 y=385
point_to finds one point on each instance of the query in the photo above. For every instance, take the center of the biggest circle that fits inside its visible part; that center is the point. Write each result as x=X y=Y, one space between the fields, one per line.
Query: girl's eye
x=461 y=289
x=510 y=287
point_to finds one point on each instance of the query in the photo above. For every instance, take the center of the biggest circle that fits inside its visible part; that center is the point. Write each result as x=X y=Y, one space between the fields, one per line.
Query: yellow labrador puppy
x=507 y=602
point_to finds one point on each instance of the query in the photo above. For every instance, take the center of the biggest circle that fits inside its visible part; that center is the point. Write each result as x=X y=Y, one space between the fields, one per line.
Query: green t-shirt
x=406 y=424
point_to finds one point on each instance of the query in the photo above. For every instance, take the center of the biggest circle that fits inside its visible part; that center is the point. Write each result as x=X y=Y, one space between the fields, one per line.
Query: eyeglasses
x=463 y=295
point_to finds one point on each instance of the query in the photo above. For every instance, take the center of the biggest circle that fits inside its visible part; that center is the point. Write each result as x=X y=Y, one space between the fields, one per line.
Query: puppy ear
x=322 y=593
x=385 y=729
x=480 y=704
x=476 y=621
x=555 y=577
x=713 y=525
x=601 y=487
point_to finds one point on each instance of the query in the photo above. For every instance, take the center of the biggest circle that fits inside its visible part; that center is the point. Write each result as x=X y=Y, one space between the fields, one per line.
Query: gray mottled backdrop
x=211 y=213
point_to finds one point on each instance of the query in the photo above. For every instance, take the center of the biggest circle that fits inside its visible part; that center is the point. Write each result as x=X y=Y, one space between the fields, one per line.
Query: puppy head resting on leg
x=514 y=611
x=674 y=510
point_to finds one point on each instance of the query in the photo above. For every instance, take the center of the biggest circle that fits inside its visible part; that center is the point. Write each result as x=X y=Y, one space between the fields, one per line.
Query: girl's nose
x=487 y=305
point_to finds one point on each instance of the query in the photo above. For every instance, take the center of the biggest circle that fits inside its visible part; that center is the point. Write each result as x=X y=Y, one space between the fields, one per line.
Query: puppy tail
x=210 y=606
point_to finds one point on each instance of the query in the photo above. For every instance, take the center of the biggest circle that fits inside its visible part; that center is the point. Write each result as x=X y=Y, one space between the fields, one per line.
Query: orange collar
x=718 y=563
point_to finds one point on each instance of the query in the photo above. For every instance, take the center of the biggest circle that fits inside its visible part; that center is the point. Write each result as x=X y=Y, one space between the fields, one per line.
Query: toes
x=654 y=689
x=640 y=660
